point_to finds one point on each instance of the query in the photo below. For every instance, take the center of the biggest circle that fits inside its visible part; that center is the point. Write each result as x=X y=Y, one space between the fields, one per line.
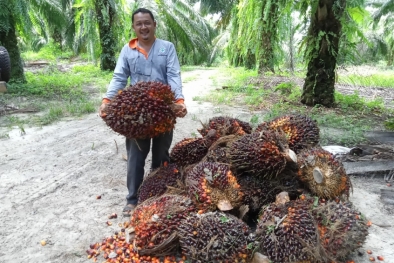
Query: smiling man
x=145 y=58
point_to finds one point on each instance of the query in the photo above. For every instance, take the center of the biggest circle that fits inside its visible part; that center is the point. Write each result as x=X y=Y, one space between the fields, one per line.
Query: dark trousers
x=137 y=151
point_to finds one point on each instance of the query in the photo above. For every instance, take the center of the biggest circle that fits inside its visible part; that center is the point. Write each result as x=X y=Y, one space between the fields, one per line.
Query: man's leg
x=160 y=149
x=137 y=150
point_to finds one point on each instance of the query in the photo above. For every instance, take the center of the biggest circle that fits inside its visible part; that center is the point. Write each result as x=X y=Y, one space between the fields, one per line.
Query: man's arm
x=121 y=74
x=118 y=82
x=174 y=73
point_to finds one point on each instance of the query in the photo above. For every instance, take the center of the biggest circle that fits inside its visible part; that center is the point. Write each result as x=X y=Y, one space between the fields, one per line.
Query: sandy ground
x=50 y=177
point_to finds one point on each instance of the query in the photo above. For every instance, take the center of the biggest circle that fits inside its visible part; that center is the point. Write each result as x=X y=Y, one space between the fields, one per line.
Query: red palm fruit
x=302 y=131
x=264 y=153
x=212 y=185
x=216 y=237
x=287 y=231
x=142 y=111
x=156 y=183
x=322 y=173
x=155 y=222
x=226 y=126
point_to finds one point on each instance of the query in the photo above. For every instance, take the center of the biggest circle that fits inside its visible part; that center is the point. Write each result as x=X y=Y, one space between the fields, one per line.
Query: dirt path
x=50 y=177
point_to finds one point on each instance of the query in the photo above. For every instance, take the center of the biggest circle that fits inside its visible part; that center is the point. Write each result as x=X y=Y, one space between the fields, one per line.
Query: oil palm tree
x=17 y=19
x=384 y=16
x=322 y=47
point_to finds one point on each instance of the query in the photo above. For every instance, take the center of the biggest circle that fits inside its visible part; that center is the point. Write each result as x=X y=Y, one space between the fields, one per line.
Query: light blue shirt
x=161 y=65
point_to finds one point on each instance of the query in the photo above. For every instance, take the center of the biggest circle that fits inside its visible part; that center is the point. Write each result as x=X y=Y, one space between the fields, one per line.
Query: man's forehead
x=142 y=16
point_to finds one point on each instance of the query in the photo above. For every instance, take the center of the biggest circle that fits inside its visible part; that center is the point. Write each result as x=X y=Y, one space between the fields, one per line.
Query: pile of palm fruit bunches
x=236 y=194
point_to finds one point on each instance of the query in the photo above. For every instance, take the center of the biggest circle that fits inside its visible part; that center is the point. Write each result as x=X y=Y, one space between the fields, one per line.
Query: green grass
x=51 y=82
x=375 y=80
x=54 y=94
x=50 y=52
x=344 y=125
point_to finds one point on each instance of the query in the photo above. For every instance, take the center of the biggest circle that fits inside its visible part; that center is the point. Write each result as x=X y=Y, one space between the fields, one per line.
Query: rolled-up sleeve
x=121 y=75
x=174 y=73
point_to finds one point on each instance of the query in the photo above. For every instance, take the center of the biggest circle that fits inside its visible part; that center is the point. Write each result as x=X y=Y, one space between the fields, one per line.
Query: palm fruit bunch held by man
x=142 y=110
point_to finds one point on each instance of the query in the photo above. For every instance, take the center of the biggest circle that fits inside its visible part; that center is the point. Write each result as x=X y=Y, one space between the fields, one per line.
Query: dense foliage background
x=316 y=36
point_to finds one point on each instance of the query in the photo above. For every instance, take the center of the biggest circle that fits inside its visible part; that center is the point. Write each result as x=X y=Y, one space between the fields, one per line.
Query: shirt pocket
x=131 y=62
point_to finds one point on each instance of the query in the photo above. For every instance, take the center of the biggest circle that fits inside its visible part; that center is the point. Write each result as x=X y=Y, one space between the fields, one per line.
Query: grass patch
x=188 y=79
x=55 y=95
x=49 y=52
x=51 y=82
x=344 y=124
x=375 y=80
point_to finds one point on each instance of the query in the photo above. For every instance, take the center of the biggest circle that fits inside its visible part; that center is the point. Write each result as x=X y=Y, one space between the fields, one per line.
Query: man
x=145 y=58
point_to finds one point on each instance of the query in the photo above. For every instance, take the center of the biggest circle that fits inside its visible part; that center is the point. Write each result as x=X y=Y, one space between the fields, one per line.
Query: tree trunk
x=106 y=23
x=325 y=31
x=266 y=59
x=390 y=58
x=10 y=42
x=250 y=60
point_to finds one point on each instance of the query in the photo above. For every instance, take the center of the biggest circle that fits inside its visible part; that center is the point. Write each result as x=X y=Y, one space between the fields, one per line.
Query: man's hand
x=103 y=108
x=179 y=108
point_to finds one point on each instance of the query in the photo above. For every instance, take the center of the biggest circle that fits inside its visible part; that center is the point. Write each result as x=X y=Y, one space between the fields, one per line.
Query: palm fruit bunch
x=302 y=131
x=142 y=111
x=156 y=183
x=257 y=191
x=226 y=126
x=323 y=175
x=213 y=185
x=287 y=231
x=215 y=237
x=218 y=152
x=262 y=153
x=189 y=151
x=342 y=229
x=155 y=222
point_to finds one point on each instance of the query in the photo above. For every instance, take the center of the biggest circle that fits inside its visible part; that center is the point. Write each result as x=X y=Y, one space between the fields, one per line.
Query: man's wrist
x=180 y=101
x=105 y=101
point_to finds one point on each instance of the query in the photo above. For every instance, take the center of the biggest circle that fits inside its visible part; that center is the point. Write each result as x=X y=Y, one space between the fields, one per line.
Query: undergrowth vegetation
x=343 y=124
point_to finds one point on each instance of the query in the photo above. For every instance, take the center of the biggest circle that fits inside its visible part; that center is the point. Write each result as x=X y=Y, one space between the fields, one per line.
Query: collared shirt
x=161 y=64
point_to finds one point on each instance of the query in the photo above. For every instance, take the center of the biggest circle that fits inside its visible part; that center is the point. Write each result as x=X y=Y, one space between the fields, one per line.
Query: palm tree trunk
x=266 y=60
x=106 y=20
x=326 y=29
x=10 y=42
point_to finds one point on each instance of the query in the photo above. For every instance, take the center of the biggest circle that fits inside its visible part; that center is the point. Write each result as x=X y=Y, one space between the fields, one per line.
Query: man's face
x=144 y=26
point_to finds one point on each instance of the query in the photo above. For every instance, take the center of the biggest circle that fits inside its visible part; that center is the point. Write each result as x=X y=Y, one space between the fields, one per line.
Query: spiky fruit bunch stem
x=262 y=153
x=287 y=231
x=142 y=111
x=215 y=237
x=226 y=126
x=302 y=131
x=322 y=173
x=155 y=222
x=212 y=185
x=156 y=183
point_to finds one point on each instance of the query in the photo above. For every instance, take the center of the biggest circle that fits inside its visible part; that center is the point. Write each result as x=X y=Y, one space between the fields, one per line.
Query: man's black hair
x=142 y=10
